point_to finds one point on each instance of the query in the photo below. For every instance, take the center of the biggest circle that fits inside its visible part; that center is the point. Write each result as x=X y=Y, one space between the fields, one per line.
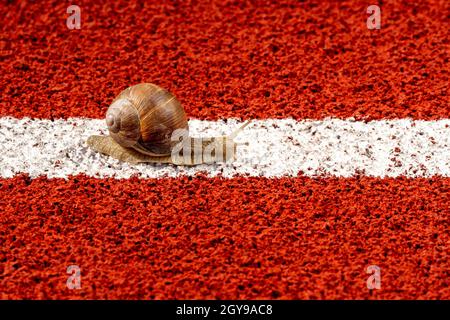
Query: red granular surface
x=249 y=59
x=227 y=239
x=218 y=238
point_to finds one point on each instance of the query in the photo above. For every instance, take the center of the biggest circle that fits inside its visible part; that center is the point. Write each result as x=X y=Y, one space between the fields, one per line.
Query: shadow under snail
x=146 y=123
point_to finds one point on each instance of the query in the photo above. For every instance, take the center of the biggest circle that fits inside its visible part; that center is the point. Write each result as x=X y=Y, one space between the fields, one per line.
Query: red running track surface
x=215 y=238
x=248 y=59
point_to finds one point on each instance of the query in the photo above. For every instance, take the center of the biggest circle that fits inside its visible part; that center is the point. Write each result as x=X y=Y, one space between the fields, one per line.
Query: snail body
x=147 y=124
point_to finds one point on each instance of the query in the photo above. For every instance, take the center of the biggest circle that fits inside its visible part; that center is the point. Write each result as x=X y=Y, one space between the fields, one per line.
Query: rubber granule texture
x=224 y=238
x=247 y=59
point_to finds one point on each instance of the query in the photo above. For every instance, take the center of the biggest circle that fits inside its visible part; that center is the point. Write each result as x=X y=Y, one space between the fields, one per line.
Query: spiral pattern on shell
x=143 y=117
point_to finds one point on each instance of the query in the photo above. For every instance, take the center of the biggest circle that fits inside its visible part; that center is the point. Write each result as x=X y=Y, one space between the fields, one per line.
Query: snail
x=147 y=124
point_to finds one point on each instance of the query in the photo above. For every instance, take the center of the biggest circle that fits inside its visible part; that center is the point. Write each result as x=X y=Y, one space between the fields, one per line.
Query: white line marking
x=330 y=147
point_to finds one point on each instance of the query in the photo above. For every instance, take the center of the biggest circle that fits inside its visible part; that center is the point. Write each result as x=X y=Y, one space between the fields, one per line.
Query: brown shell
x=143 y=117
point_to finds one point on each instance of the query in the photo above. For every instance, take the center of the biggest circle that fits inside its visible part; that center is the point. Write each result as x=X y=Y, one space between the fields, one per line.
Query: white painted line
x=330 y=147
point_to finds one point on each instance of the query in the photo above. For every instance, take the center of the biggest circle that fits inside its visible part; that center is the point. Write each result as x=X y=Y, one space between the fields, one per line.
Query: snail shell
x=143 y=117
x=141 y=122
